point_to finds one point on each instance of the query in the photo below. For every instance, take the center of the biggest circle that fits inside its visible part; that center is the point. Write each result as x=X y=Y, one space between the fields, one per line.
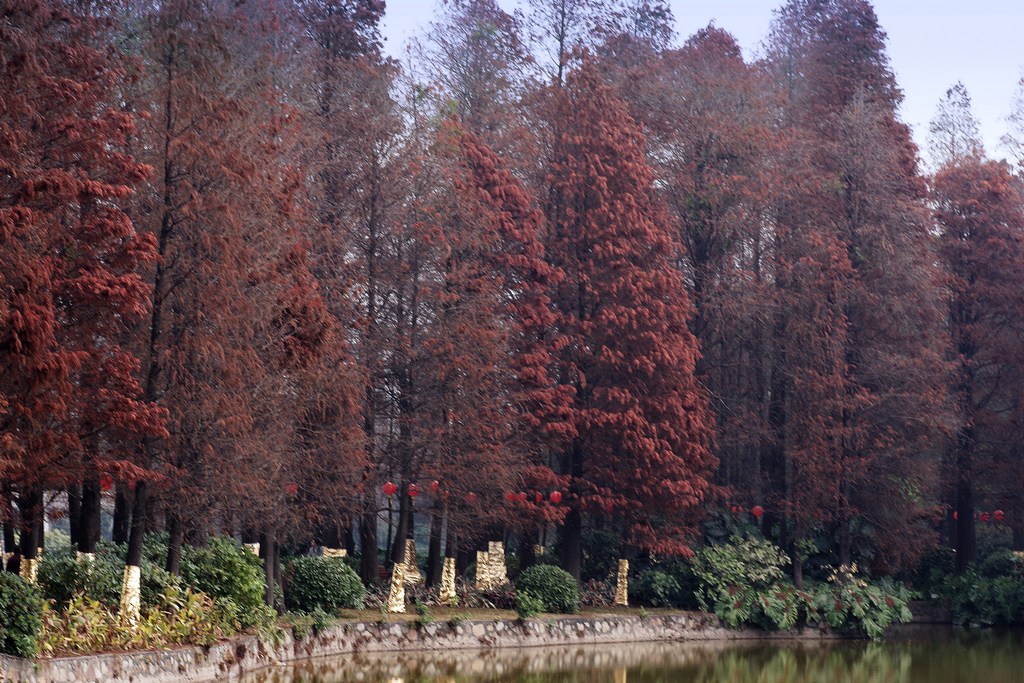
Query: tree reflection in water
x=941 y=657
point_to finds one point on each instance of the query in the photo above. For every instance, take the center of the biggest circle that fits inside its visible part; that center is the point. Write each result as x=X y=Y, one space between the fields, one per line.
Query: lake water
x=933 y=656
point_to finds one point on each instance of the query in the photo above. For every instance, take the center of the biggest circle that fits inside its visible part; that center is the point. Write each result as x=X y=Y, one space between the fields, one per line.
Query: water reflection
x=941 y=657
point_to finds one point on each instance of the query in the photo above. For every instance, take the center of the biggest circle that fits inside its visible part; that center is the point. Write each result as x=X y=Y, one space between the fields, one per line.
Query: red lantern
x=538 y=498
x=291 y=489
x=984 y=517
x=521 y=497
x=510 y=497
x=956 y=515
x=556 y=497
x=471 y=498
x=414 y=490
x=389 y=489
x=106 y=482
x=999 y=515
x=434 y=485
x=757 y=511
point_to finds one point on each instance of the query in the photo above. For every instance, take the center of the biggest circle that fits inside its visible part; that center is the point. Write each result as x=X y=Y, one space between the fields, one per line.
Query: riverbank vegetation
x=556 y=280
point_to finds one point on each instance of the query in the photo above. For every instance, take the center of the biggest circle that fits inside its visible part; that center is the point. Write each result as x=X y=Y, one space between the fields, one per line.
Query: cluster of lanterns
x=757 y=510
x=984 y=517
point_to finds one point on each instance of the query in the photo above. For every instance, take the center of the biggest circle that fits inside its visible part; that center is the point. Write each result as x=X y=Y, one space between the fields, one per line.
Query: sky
x=932 y=45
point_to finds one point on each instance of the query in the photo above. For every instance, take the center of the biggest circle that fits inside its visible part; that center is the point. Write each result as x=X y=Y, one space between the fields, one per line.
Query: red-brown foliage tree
x=71 y=259
x=636 y=442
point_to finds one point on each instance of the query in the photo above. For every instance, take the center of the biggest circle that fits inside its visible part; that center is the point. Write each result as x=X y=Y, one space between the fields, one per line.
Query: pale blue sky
x=932 y=44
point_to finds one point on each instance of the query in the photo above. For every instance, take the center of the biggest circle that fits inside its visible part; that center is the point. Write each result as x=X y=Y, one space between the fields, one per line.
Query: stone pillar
x=30 y=569
x=412 y=570
x=447 y=596
x=131 y=595
x=496 y=555
x=622 y=585
x=483 y=570
x=336 y=552
x=396 y=595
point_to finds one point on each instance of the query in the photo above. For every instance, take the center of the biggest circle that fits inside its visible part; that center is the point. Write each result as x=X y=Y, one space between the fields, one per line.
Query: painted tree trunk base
x=622 y=585
x=447 y=595
x=496 y=557
x=396 y=594
x=131 y=595
x=30 y=569
x=335 y=552
x=413 y=576
x=483 y=570
x=253 y=548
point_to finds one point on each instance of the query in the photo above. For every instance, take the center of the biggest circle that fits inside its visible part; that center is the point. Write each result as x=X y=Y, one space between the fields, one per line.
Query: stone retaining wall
x=232 y=659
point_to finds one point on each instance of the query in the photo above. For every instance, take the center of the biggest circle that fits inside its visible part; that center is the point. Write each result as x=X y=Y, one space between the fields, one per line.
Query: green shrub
x=655 y=588
x=1001 y=562
x=182 y=617
x=62 y=575
x=853 y=604
x=21 y=609
x=553 y=586
x=324 y=583
x=528 y=606
x=977 y=600
x=225 y=570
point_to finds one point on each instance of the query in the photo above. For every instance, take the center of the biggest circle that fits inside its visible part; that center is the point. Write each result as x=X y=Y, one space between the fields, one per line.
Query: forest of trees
x=555 y=271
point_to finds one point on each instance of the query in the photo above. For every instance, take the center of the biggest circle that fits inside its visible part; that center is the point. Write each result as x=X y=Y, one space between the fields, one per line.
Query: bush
x=21 y=609
x=323 y=583
x=528 y=606
x=1001 y=562
x=181 y=618
x=224 y=570
x=655 y=588
x=986 y=601
x=553 y=586
x=851 y=603
x=62 y=576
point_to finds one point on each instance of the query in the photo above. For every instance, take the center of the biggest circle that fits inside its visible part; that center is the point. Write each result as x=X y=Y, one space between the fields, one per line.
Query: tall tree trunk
x=966 y=540
x=403 y=530
x=137 y=531
x=30 y=504
x=90 y=511
x=74 y=492
x=122 y=513
x=368 y=564
x=175 y=537
x=434 y=558
x=267 y=553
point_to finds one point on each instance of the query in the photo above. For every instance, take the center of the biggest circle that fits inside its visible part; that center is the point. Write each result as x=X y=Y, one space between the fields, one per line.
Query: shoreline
x=244 y=655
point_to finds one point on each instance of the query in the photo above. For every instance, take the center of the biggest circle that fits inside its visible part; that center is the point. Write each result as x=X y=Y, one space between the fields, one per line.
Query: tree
x=953 y=132
x=71 y=276
x=980 y=211
x=863 y=193
x=636 y=441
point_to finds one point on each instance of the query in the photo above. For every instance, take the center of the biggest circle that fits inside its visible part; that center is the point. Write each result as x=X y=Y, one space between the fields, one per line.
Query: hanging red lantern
x=999 y=515
x=556 y=497
x=291 y=489
x=389 y=489
x=521 y=497
x=757 y=511
x=471 y=498
x=983 y=517
x=414 y=490
x=106 y=482
x=538 y=498
x=510 y=497
x=434 y=485
x=956 y=515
